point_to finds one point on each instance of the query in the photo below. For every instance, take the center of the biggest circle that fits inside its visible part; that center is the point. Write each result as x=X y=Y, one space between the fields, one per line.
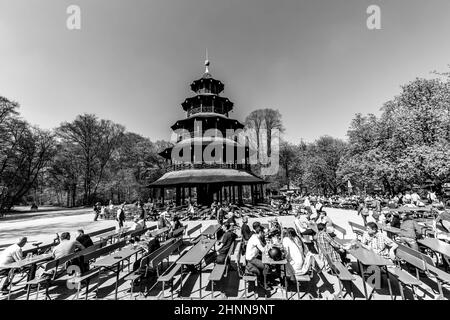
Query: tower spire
x=206 y=62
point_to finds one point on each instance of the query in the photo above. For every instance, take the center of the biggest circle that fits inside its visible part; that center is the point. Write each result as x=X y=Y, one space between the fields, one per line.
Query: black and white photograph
x=225 y=156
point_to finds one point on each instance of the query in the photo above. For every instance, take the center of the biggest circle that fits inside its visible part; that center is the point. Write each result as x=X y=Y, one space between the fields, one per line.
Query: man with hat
x=11 y=254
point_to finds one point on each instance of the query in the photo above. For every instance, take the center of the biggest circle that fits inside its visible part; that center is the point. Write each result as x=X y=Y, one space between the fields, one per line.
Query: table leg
x=285 y=282
x=361 y=269
x=181 y=280
x=389 y=282
x=117 y=280
x=265 y=282
x=200 y=281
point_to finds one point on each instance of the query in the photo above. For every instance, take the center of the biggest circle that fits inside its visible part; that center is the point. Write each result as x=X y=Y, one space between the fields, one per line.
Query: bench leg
x=401 y=290
x=212 y=289
x=87 y=288
x=37 y=292
x=28 y=291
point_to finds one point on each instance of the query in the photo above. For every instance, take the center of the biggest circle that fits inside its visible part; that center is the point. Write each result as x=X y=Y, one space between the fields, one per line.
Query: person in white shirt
x=11 y=254
x=415 y=198
x=254 y=250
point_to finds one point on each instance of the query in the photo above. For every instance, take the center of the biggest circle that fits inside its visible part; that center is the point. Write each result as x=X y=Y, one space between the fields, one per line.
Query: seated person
x=11 y=254
x=378 y=242
x=232 y=218
x=84 y=239
x=225 y=243
x=275 y=228
x=253 y=254
x=410 y=231
x=162 y=221
x=335 y=250
x=298 y=256
x=326 y=220
x=66 y=246
x=176 y=224
x=245 y=229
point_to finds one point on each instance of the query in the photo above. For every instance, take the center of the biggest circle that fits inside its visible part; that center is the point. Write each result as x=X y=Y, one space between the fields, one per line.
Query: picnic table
x=27 y=262
x=159 y=232
x=367 y=257
x=211 y=230
x=110 y=262
x=111 y=234
x=389 y=230
x=195 y=257
x=267 y=260
x=436 y=245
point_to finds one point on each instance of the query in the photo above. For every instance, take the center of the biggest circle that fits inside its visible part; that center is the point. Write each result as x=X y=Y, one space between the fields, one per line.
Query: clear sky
x=133 y=60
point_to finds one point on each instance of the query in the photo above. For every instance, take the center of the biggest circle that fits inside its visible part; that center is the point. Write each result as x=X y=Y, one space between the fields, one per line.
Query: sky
x=132 y=61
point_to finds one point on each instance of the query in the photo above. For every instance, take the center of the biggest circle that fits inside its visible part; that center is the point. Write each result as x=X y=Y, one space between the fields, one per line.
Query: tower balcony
x=207 y=109
x=189 y=166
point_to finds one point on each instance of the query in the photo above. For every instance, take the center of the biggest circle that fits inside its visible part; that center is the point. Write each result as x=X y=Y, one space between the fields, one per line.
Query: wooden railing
x=188 y=166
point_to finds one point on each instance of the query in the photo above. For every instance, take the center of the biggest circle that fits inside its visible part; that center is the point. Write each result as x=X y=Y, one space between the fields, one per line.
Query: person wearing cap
x=11 y=254
x=225 y=244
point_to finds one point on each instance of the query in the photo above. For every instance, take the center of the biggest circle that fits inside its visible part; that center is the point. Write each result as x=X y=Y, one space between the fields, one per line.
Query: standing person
x=11 y=254
x=415 y=198
x=141 y=211
x=97 y=210
x=121 y=215
x=226 y=242
x=214 y=210
x=365 y=213
x=191 y=210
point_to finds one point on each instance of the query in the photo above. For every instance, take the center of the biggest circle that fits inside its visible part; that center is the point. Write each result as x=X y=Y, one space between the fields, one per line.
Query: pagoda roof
x=191 y=100
x=206 y=176
x=191 y=118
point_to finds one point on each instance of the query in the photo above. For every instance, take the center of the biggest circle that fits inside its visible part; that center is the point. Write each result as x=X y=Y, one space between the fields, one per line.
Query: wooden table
x=367 y=257
x=24 y=263
x=266 y=260
x=195 y=257
x=159 y=232
x=116 y=258
x=436 y=245
x=211 y=230
x=390 y=230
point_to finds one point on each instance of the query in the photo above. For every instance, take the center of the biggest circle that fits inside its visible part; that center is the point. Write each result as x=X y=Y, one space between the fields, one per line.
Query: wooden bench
x=357 y=229
x=247 y=278
x=414 y=258
x=169 y=275
x=178 y=232
x=340 y=229
x=341 y=272
x=144 y=265
x=165 y=254
x=99 y=232
x=192 y=230
x=220 y=270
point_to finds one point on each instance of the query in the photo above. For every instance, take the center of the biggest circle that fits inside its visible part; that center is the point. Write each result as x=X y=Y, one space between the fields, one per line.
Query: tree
x=26 y=151
x=255 y=121
x=96 y=140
